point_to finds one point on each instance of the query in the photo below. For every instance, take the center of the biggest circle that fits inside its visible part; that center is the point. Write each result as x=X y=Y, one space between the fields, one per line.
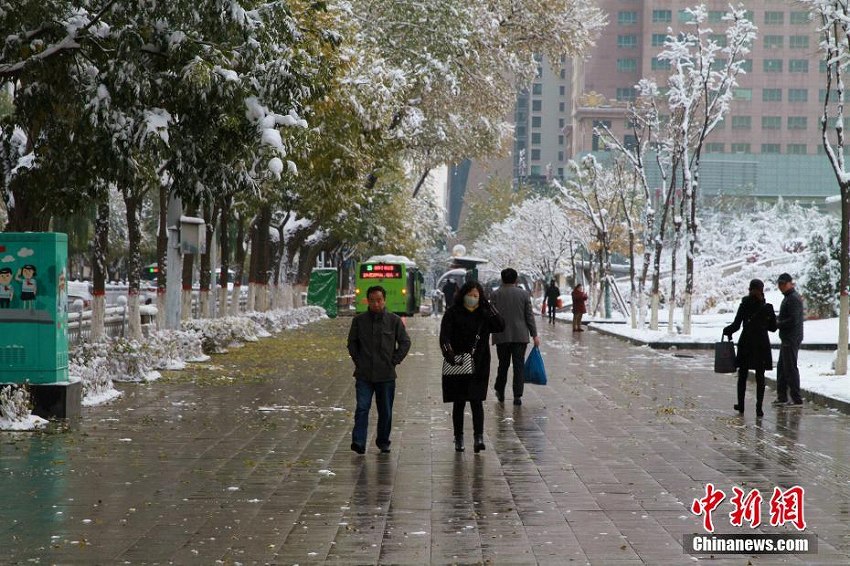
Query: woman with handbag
x=464 y=341
x=758 y=318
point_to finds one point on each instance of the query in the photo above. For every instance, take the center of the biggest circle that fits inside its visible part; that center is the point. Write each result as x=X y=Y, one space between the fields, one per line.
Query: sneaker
x=779 y=403
x=517 y=401
x=385 y=449
x=357 y=448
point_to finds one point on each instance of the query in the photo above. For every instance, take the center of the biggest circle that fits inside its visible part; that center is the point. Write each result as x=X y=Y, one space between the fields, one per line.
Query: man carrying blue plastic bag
x=535 y=371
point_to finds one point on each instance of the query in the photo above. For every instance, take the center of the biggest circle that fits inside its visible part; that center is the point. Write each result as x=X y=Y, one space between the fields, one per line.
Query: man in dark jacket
x=377 y=342
x=514 y=304
x=790 y=324
x=552 y=294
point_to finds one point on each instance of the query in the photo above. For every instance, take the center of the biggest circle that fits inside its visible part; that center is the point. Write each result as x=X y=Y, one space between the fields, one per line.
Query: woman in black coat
x=471 y=315
x=758 y=318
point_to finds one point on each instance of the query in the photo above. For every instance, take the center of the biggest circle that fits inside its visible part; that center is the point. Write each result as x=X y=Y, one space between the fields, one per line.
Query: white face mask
x=470 y=302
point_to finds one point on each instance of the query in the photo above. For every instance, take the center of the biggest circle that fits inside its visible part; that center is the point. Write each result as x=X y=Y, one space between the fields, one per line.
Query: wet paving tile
x=598 y=467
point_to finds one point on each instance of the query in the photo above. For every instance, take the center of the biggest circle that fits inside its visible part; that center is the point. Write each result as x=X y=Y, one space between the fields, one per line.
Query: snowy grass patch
x=15 y=409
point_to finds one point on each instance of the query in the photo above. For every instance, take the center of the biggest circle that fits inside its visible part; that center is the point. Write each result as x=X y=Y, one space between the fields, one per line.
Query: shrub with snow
x=171 y=349
x=280 y=320
x=217 y=334
x=15 y=409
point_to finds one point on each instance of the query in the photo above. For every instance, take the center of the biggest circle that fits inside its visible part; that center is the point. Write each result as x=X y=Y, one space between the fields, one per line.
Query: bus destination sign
x=380 y=271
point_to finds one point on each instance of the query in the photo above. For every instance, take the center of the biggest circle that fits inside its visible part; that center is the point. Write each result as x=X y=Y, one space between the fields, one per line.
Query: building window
x=774 y=41
x=662 y=16
x=627 y=41
x=536 y=105
x=685 y=17
x=630 y=141
x=770 y=148
x=715 y=147
x=799 y=18
x=535 y=138
x=771 y=122
x=535 y=170
x=822 y=66
x=771 y=95
x=747 y=65
x=832 y=96
x=535 y=153
x=563 y=74
x=560 y=140
x=537 y=88
x=798 y=95
x=798 y=42
x=742 y=122
x=626 y=18
x=536 y=121
x=561 y=123
x=657 y=65
x=562 y=90
x=627 y=65
x=740 y=148
x=719 y=64
x=658 y=39
x=742 y=94
x=626 y=94
x=598 y=144
x=774 y=18
x=772 y=65
x=560 y=172
x=796 y=149
x=520 y=132
x=562 y=107
x=560 y=156
x=797 y=122
x=798 y=66
x=715 y=16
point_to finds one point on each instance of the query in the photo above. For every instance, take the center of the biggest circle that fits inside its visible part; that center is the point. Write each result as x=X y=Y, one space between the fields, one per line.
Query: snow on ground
x=30 y=422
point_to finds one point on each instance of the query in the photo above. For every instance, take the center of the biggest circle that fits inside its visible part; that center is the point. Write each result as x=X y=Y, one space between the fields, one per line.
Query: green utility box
x=33 y=313
x=324 y=282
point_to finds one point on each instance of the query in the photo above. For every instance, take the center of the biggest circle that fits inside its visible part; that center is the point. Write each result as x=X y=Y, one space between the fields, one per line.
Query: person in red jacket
x=579 y=308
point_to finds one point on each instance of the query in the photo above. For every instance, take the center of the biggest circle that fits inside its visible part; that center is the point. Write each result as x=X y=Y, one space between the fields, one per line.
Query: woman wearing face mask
x=466 y=328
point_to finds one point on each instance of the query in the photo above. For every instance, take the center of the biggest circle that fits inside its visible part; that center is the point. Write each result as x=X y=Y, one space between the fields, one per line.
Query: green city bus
x=398 y=275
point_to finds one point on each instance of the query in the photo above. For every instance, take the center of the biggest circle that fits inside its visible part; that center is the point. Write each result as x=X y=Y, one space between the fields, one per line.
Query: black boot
x=459 y=443
x=478 y=445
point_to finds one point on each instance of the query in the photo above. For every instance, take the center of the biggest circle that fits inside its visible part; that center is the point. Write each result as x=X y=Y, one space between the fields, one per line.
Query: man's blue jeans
x=384 y=392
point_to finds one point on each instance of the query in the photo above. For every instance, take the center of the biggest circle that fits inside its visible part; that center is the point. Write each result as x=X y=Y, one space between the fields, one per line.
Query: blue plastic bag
x=535 y=372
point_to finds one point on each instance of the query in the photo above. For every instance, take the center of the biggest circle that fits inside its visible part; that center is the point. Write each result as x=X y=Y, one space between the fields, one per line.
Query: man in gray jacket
x=514 y=304
x=377 y=342
x=790 y=324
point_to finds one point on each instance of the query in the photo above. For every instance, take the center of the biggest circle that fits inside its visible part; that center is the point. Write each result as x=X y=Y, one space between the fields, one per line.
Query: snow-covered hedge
x=15 y=409
x=218 y=334
x=280 y=320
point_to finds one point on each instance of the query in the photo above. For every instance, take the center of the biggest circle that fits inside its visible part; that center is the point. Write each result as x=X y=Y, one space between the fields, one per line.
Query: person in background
x=758 y=318
x=449 y=292
x=466 y=328
x=552 y=294
x=514 y=304
x=579 y=306
x=790 y=323
x=377 y=343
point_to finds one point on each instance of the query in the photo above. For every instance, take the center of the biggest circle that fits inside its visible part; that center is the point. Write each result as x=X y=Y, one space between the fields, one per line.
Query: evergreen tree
x=822 y=275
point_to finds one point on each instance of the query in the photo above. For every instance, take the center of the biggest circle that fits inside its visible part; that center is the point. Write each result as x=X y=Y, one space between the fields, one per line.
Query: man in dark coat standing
x=790 y=323
x=377 y=342
x=514 y=304
x=552 y=294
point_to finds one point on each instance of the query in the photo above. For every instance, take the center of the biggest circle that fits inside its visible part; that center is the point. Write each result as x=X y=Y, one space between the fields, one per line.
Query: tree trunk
x=161 y=256
x=260 y=258
x=843 y=282
x=239 y=265
x=134 y=235
x=101 y=244
x=25 y=215
x=205 y=278
x=224 y=245
x=188 y=276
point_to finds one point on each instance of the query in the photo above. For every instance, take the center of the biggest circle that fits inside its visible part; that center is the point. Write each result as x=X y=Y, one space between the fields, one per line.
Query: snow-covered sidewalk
x=817 y=376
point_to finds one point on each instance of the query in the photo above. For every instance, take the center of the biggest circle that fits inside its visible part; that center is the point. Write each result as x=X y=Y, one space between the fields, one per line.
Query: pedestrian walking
x=790 y=323
x=514 y=304
x=758 y=318
x=466 y=328
x=579 y=306
x=449 y=292
x=552 y=294
x=377 y=343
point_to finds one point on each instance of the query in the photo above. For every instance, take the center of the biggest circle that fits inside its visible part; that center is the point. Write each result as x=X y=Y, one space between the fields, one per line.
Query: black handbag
x=724 y=356
x=464 y=363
